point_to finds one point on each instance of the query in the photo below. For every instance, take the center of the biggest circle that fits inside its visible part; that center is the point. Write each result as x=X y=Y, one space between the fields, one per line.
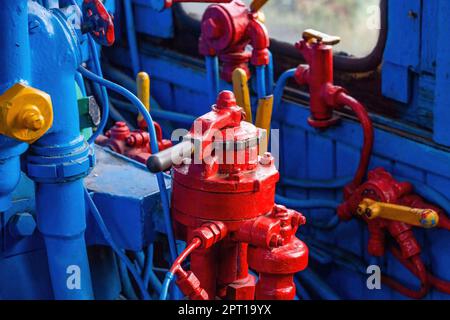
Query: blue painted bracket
x=127 y=196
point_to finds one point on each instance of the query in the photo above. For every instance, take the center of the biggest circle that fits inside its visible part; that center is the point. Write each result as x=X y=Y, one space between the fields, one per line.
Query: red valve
x=227 y=29
x=226 y=183
x=325 y=97
x=98 y=22
x=382 y=187
x=133 y=144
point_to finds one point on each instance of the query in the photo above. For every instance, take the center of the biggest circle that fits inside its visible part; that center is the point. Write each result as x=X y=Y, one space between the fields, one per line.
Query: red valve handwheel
x=98 y=22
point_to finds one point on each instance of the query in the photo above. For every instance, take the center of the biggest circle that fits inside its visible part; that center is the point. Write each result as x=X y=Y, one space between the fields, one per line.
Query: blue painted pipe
x=15 y=54
x=212 y=78
x=279 y=88
x=153 y=145
x=307 y=204
x=131 y=36
x=270 y=75
x=261 y=81
x=320 y=287
x=60 y=159
x=105 y=99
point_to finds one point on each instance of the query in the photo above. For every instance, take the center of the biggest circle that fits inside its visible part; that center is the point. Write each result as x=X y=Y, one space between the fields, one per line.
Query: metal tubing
x=212 y=78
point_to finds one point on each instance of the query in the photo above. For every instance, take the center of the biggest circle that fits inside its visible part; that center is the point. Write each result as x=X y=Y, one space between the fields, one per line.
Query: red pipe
x=418 y=270
x=439 y=284
x=344 y=99
x=176 y=266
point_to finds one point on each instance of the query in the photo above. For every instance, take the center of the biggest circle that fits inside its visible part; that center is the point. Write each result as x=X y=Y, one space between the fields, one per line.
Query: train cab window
x=357 y=22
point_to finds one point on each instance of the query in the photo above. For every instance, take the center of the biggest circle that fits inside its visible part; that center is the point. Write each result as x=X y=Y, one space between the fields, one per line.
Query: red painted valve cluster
x=325 y=97
x=382 y=187
x=226 y=31
x=223 y=204
x=132 y=144
x=98 y=22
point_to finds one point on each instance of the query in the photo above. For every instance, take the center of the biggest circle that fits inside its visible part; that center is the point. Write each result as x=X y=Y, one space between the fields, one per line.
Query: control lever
x=164 y=160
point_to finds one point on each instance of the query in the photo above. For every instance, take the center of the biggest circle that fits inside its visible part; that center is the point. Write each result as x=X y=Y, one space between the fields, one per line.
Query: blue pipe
x=145 y=263
x=307 y=204
x=15 y=54
x=149 y=274
x=107 y=236
x=127 y=287
x=59 y=160
x=212 y=78
x=313 y=281
x=312 y=204
x=131 y=35
x=302 y=293
x=80 y=82
x=158 y=113
x=335 y=183
x=105 y=98
x=270 y=75
x=279 y=88
x=153 y=145
x=165 y=286
x=261 y=81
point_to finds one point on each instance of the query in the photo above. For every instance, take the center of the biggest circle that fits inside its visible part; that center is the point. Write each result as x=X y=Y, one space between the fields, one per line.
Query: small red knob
x=226 y=99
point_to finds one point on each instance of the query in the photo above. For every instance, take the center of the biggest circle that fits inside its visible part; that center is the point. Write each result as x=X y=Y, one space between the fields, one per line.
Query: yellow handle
x=256 y=5
x=242 y=93
x=143 y=91
x=425 y=218
x=312 y=35
x=264 y=117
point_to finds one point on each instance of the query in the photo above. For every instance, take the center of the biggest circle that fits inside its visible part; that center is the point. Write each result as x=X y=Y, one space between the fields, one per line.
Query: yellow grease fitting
x=26 y=114
x=425 y=218
x=143 y=91
x=264 y=115
x=240 y=88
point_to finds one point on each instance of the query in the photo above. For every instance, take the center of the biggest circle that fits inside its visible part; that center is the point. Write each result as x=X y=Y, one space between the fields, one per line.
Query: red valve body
x=98 y=22
x=319 y=76
x=132 y=144
x=226 y=30
x=381 y=186
x=241 y=196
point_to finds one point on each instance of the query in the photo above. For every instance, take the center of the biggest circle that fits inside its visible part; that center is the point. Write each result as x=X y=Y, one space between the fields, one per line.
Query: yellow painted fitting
x=264 y=113
x=240 y=88
x=143 y=91
x=26 y=114
x=256 y=5
x=425 y=218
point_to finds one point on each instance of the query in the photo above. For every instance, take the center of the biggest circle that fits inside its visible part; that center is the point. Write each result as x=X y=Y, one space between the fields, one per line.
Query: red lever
x=98 y=22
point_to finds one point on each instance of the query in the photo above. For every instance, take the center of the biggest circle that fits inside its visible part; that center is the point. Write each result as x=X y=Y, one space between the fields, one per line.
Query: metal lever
x=426 y=218
x=311 y=35
x=165 y=159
